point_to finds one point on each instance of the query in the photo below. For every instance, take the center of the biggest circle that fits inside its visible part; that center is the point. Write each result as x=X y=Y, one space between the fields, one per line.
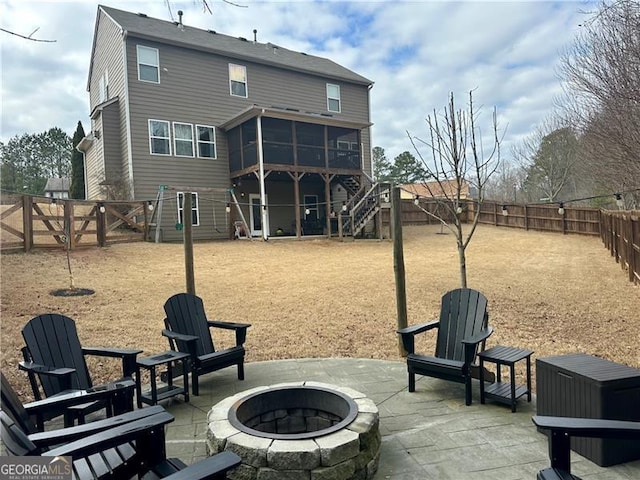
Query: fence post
x=633 y=266
x=69 y=224
x=398 y=263
x=526 y=218
x=27 y=222
x=101 y=224
x=495 y=214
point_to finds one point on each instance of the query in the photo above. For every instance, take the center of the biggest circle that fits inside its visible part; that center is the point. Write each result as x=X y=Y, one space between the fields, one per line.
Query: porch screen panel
x=235 y=149
x=344 y=148
x=249 y=139
x=310 y=138
x=277 y=140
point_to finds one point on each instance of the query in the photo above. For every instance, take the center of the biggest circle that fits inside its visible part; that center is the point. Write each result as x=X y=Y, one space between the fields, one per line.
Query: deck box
x=584 y=386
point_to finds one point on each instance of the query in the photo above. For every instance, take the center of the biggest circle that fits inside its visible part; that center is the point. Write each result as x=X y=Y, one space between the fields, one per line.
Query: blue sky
x=416 y=53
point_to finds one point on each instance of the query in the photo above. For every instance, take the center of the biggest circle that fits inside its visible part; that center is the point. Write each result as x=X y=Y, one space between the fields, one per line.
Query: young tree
x=77 y=165
x=455 y=160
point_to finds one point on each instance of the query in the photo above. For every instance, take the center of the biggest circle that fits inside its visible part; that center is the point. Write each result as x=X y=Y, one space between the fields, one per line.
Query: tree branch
x=28 y=37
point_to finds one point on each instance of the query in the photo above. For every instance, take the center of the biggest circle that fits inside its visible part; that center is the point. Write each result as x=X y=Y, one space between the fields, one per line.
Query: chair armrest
x=471 y=344
x=65 y=435
x=211 y=468
x=190 y=340
x=240 y=328
x=44 y=370
x=113 y=437
x=408 y=333
x=481 y=336
x=128 y=357
x=589 y=427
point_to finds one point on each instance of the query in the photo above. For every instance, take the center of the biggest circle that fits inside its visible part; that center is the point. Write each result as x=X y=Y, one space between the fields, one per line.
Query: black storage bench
x=584 y=386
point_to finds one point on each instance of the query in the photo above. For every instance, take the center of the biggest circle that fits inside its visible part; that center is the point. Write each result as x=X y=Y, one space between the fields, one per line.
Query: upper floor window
x=148 y=64
x=333 y=98
x=103 y=88
x=195 y=212
x=206 y=141
x=238 y=80
x=159 y=141
x=183 y=139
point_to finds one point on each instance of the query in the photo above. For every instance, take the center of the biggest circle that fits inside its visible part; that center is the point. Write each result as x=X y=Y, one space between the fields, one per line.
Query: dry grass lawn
x=550 y=293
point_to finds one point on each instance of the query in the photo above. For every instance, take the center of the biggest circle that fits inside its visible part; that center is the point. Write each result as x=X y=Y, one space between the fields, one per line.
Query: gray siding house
x=177 y=109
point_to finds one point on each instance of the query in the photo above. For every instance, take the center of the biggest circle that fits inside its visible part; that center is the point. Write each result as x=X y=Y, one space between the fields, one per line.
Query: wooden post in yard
x=27 y=222
x=398 y=263
x=101 y=225
x=187 y=231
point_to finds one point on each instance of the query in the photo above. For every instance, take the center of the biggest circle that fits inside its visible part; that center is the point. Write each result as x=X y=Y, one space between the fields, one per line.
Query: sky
x=417 y=53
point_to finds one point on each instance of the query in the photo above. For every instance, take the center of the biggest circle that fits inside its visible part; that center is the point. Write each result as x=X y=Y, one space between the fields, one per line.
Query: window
x=159 y=141
x=103 y=88
x=148 y=64
x=238 y=80
x=183 y=139
x=333 y=98
x=206 y=141
x=195 y=215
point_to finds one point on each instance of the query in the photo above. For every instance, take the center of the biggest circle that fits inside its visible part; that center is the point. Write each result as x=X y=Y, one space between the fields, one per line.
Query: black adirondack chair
x=31 y=416
x=54 y=360
x=563 y=428
x=187 y=330
x=132 y=444
x=462 y=329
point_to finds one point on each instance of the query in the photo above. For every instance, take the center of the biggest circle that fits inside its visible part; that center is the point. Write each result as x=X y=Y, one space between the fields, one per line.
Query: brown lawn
x=547 y=292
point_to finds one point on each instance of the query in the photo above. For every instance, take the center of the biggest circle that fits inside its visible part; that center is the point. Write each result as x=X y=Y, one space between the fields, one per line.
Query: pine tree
x=77 y=165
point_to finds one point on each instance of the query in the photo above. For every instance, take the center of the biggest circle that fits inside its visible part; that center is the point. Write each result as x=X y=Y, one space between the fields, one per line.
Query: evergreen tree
x=407 y=169
x=77 y=165
x=381 y=166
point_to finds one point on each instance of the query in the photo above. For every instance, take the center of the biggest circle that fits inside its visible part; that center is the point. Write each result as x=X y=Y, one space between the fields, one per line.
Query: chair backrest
x=463 y=314
x=52 y=340
x=15 y=439
x=186 y=315
x=11 y=404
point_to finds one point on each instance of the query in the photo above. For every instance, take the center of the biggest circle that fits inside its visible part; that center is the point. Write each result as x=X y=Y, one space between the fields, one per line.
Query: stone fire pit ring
x=343 y=442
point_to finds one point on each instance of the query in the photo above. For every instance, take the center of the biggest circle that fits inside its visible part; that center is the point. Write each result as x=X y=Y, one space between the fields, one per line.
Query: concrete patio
x=428 y=434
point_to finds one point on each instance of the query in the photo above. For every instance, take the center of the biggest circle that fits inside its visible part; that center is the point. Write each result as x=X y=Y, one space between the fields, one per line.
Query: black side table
x=155 y=394
x=505 y=392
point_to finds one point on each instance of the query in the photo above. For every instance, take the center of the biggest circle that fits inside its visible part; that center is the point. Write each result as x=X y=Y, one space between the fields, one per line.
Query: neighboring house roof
x=57 y=185
x=142 y=26
x=445 y=188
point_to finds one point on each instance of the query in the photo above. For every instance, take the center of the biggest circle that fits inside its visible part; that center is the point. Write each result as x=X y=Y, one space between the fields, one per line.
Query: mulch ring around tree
x=72 y=292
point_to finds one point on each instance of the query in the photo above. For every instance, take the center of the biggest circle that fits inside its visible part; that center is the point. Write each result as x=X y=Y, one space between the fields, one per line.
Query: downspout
x=127 y=114
x=263 y=193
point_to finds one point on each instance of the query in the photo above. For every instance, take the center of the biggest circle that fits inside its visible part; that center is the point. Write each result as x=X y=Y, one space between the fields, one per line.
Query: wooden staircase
x=362 y=208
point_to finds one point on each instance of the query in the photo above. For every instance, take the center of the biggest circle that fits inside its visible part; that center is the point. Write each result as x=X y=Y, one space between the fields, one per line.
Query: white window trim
x=198 y=141
x=334 y=98
x=157 y=65
x=195 y=207
x=246 y=81
x=343 y=145
x=151 y=137
x=103 y=87
x=176 y=140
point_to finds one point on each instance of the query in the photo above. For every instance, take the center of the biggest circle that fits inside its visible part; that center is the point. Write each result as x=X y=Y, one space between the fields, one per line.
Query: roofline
x=102 y=106
x=290 y=114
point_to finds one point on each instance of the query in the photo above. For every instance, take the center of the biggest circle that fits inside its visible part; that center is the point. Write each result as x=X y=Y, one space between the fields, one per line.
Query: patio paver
x=428 y=434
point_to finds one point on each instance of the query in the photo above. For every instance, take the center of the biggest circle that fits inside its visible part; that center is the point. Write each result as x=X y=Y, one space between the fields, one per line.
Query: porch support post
x=327 y=202
x=296 y=194
x=261 y=177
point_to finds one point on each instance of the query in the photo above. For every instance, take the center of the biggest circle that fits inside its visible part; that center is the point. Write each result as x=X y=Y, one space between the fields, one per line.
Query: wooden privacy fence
x=621 y=235
x=28 y=222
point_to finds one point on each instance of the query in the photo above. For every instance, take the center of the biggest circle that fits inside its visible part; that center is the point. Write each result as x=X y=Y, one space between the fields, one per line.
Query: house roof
x=444 y=188
x=144 y=27
x=57 y=185
x=291 y=114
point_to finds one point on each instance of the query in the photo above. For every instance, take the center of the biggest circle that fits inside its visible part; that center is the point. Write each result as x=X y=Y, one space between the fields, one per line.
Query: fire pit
x=307 y=430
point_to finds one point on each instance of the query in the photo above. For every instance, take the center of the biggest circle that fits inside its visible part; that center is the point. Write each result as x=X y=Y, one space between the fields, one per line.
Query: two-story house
x=176 y=108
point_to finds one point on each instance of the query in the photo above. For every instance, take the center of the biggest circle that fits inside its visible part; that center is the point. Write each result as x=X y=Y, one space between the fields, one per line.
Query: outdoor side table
x=169 y=390
x=505 y=392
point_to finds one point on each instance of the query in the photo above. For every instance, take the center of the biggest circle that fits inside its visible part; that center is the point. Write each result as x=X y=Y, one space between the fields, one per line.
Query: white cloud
x=416 y=53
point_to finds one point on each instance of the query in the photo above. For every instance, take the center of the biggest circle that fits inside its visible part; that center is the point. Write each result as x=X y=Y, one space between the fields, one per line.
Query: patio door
x=256 y=215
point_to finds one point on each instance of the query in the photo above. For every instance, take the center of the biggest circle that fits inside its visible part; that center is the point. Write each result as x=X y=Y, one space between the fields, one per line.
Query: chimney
x=255 y=35
x=180 y=25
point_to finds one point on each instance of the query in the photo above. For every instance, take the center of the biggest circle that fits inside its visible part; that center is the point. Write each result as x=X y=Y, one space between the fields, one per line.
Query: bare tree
x=601 y=73
x=27 y=37
x=456 y=164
